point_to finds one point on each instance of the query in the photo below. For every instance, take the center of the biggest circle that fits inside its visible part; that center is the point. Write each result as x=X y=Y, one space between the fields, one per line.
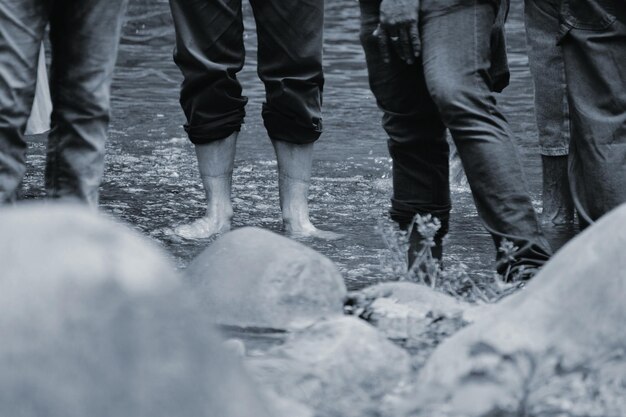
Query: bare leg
x=294 y=177
x=215 y=162
x=558 y=207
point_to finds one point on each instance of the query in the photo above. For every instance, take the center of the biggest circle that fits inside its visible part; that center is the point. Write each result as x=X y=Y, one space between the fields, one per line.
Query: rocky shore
x=96 y=321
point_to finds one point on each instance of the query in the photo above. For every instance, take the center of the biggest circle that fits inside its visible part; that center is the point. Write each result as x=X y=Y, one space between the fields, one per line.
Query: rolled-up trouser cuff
x=216 y=129
x=282 y=128
x=403 y=214
x=554 y=151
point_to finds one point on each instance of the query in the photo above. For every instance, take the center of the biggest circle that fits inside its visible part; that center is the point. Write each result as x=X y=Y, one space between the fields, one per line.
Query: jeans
x=210 y=52
x=84 y=35
x=593 y=37
x=548 y=73
x=450 y=88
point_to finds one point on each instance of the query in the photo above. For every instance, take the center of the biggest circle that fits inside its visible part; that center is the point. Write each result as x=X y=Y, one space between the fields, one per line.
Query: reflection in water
x=151 y=179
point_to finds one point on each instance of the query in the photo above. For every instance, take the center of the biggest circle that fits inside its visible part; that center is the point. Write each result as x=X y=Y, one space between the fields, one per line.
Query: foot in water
x=202 y=228
x=305 y=229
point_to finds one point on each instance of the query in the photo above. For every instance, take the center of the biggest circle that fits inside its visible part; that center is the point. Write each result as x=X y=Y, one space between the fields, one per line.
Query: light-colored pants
x=594 y=51
x=548 y=74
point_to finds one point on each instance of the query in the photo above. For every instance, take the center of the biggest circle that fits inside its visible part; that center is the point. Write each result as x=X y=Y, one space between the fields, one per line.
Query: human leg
x=290 y=66
x=417 y=142
x=294 y=177
x=215 y=161
x=84 y=35
x=210 y=52
x=594 y=50
x=456 y=56
x=22 y=25
x=551 y=110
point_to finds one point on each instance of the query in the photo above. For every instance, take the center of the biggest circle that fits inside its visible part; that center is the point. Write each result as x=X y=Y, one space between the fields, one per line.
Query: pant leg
x=456 y=59
x=594 y=50
x=84 y=36
x=22 y=25
x=548 y=74
x=210 y=52
x=290 y=36
x=417 y=142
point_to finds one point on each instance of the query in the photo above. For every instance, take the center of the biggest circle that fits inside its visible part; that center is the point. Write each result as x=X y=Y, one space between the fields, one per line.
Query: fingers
x=402 y=38
x=416 y=43
x=383 y=43
x=405 y=46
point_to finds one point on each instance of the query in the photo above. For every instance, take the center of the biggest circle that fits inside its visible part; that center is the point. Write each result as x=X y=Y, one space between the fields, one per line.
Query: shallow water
x=151 y=177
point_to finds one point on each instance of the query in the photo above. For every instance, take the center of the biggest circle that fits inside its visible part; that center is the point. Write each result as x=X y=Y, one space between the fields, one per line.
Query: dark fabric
x=210 y=52
x=499 y=70
x=84 y=36
x=594 y=51
x=449 y=88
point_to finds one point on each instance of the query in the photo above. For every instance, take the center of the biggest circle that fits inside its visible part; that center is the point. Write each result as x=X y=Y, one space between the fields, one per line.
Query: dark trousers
x=210 y=52
x=450 y=88
x=84 y=35
x=594 y=51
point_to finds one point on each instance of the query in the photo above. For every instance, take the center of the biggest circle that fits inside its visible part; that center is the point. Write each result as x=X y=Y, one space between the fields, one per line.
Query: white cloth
x=39 y=120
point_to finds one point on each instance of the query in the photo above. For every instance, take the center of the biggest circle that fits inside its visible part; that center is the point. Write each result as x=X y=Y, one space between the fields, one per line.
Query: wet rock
x=552 y=346
x=255 y=278
x=404 y=310
x=94 y=322
x=341 y=367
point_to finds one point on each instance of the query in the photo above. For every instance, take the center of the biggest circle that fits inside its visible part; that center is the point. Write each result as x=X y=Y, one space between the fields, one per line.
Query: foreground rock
x=557 y=347
x=255 y=278
x=44 y=245
x=94 y=322
x=339 y=368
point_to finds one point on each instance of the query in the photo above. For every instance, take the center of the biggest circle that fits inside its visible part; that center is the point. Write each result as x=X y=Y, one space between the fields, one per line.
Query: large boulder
x=53 y=243
x=255 y=278
x=341 y=367
x=558 y=346
x=94 y=322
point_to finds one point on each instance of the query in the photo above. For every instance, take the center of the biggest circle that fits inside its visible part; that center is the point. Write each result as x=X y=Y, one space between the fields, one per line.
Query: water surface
x=151 y=179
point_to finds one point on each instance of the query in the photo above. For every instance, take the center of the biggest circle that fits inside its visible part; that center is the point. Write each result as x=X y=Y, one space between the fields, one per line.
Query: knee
x=455 y=98
x=82 y=101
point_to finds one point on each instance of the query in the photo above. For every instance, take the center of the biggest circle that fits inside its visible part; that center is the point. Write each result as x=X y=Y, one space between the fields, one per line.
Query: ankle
x=220 y=212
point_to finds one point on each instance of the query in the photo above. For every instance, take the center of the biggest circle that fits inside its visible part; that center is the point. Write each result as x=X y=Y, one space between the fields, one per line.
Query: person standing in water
x=592 y=35
x=84 y=36
x=439 y=72
x=551 y=107
x=210 y=52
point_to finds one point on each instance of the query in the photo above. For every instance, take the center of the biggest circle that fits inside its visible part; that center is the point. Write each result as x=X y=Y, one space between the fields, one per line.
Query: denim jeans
x=84 y=35
x=210 y=52
x=450 y=88
x=548 y=74
x=593 y=37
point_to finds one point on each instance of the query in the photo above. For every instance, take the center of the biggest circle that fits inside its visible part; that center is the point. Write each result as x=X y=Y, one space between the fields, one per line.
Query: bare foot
x=306 y=229
x=202 y=228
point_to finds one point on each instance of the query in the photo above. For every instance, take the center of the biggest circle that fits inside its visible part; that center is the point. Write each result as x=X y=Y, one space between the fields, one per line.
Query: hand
x=399 y=26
